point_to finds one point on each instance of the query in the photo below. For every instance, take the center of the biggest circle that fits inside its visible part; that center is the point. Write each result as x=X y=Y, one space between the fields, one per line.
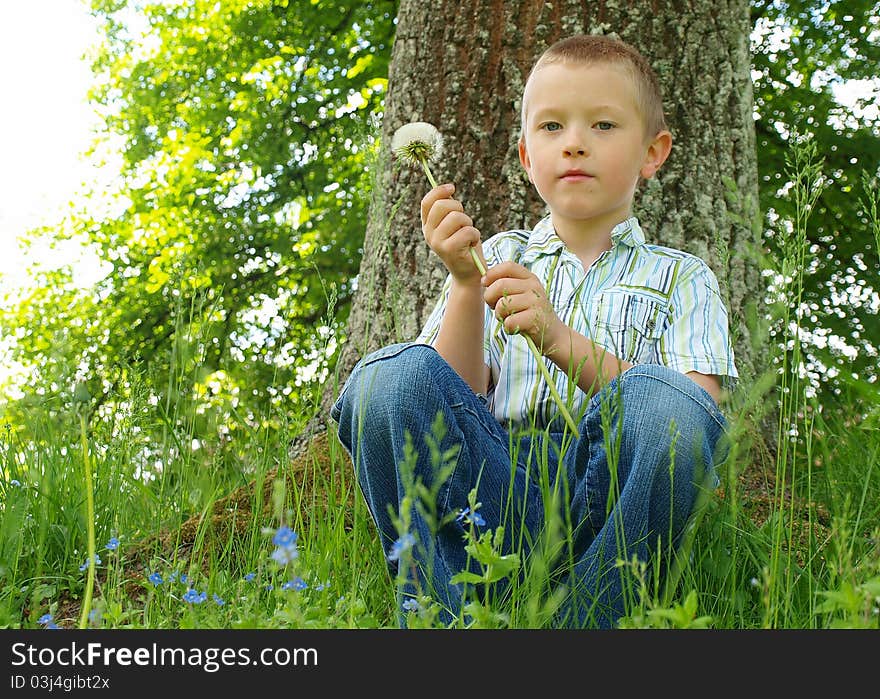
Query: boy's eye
x=551 y=126
x=604 y=126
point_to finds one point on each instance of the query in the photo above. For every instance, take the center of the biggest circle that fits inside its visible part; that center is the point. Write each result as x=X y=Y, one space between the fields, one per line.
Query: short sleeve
x=697 y=337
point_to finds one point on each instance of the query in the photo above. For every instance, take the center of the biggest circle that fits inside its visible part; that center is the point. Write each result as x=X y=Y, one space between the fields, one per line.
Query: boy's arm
x=450 y=233
x=710 y=382
x=597 y=366
x=460 y=338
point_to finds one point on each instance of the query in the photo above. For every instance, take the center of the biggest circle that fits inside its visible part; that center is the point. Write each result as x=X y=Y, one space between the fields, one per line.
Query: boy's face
x=584 y=144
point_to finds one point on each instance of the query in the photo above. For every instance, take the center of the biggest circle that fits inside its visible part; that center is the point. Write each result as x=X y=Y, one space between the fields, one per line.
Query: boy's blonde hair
x=585 y=49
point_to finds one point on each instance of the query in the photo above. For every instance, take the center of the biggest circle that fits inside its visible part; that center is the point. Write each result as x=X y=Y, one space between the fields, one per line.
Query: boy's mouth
x=575 y=176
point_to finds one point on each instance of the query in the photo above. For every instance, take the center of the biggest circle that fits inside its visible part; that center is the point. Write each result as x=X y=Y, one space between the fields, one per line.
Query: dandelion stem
x=90 y=524
x=539 y=358
x=428 y=172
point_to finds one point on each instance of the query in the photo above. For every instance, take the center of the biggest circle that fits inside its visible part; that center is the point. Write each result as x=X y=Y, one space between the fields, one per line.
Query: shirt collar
x=544 y=241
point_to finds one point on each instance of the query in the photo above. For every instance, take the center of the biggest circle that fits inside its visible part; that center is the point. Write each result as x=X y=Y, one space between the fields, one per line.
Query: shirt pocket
x=628 y=324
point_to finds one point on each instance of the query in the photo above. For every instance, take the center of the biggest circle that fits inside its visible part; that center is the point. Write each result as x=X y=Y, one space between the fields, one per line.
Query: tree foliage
x=246 y=140
x=802 y=51
x=247 y=136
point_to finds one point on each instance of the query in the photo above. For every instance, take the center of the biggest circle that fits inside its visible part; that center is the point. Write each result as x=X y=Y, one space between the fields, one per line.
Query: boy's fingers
x=505 y=269
x=505 y=287
x=449 y=225
x=440 y=211
x=443 y=191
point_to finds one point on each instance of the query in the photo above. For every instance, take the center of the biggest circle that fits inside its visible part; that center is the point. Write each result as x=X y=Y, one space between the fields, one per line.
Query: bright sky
x=45 y=121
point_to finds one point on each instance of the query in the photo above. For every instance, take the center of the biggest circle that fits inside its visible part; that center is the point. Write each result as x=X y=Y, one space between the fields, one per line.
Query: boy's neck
x=587 y=239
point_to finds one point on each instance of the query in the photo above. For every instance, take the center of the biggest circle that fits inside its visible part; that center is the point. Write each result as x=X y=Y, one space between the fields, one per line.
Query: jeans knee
x=384 y=381
x=665 y=411
x=664 y=396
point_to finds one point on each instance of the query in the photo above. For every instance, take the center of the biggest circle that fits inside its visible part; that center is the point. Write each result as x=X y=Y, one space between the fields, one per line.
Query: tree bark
x=461 y=65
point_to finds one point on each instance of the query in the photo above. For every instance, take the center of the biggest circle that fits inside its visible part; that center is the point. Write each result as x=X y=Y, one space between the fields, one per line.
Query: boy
x=635 y=337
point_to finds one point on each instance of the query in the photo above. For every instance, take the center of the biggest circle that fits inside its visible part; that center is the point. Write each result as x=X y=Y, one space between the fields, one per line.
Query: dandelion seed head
x=417 y=142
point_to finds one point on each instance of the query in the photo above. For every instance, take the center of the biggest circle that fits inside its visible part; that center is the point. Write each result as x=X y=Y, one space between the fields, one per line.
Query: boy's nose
x=575 y=144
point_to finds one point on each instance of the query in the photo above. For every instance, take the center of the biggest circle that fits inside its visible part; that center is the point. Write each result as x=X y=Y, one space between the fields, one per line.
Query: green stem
x=428 y=173
x=90 y=526
x=539 y=358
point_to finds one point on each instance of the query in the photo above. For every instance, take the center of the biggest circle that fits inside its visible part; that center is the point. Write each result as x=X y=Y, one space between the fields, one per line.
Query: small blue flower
x=194 y=597
x=270 y=588
x=95 y=616
x=250 y=576
x=15 y=482
x=399 y=547
x=296 y=584
x=155 y=578
x=471 y=517
x=218 y=600
x=184 y=577
x=86 y=564
x=285 y=537
x=411 y=605
x=284 y=556
x=45 y=619
x=113 y=544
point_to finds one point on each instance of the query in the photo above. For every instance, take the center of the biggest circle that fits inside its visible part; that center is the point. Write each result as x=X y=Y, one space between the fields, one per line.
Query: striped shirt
x=645 y=304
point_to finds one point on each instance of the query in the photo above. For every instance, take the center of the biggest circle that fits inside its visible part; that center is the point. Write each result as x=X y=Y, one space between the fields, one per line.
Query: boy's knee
x=663 y=395
x=383 y=380
x=666 y=410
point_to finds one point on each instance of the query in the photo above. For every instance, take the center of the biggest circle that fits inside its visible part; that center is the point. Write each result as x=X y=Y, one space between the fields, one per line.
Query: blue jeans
x=663 y=430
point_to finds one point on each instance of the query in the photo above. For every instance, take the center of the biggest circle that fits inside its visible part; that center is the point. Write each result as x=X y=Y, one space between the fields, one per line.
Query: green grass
x=808 y=561
x=791 y=539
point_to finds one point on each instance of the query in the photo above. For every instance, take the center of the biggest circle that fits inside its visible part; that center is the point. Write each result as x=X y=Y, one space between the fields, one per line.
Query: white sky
x=45 y=122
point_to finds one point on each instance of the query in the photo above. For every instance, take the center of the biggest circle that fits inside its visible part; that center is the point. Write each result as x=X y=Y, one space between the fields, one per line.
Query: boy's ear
x=655 y=156
x=524 y=157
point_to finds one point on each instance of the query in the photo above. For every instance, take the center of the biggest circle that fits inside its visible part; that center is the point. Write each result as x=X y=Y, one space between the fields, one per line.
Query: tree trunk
x=461 y=66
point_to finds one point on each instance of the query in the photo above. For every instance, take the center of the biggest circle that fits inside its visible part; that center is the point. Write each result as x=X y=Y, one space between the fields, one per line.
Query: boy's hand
x=450 y=233
x=520 y=302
